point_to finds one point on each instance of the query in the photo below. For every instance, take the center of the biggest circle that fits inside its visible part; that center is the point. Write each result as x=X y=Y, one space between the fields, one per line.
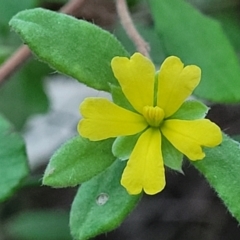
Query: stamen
x=153 y=115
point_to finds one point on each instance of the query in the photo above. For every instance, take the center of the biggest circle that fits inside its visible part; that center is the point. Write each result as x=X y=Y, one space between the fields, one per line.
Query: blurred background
x=43 y=106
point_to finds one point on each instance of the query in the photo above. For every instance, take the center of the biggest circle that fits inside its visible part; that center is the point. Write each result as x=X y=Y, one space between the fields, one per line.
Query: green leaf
x=101 y=204
x=13 y=160
x=123 y=146
x=77 y=161
x=39 y=225
x=120 y=99
x=229 y=19
x=171 y=156
x=199 y=40
x=74 y=47
x=191 y=110
x=29 y=97
x=221 y=168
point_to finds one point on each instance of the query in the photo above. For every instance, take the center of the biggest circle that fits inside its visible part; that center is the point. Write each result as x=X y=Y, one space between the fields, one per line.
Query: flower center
x=153 y=115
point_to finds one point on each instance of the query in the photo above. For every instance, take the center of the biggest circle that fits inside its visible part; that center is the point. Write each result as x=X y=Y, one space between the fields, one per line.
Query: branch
x=127 y=23
x=13 y=63
x=72 y=7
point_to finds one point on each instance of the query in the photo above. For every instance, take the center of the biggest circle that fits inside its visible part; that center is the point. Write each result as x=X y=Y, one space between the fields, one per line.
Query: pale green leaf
x=77 y=161
x=191 y=110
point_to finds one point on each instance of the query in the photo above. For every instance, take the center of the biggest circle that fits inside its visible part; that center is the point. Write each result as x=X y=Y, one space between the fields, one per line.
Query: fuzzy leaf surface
x=221 y=168
x=101 y=204
x=191 y=110
x=77 y=161
x=73 y=47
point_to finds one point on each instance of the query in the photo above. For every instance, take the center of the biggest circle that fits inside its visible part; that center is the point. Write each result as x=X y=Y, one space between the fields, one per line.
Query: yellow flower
x=103 y=119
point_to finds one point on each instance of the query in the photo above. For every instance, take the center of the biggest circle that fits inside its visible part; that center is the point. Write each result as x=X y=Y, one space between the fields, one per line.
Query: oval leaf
x=191 y=110
x=13 y=160
x=101 y=204
x=221 y=168
x=77 y=161
x=199 y=40
x=74 y=47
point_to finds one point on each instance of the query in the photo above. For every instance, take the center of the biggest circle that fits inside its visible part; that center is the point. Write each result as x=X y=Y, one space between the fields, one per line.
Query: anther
x=153 y=115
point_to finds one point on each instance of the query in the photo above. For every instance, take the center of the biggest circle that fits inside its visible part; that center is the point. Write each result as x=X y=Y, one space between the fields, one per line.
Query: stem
x=13 y=63
x=72 y=7
x=127 y=23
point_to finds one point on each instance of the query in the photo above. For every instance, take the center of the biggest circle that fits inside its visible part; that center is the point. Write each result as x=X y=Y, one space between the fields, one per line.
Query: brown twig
x=72 y=7
x=13 y=63
x=127 y=23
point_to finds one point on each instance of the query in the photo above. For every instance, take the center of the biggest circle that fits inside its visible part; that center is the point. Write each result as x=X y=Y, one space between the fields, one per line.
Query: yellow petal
x=136 y=77
x=189 y=136
x=145 y=170
x=104 y=119
x=175 y=84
